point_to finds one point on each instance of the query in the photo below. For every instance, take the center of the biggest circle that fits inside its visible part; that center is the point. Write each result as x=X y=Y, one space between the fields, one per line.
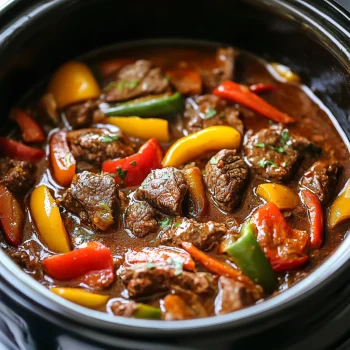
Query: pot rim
x=320 y=279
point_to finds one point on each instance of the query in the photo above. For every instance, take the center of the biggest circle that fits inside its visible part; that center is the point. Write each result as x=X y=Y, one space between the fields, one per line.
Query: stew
x=172 y=183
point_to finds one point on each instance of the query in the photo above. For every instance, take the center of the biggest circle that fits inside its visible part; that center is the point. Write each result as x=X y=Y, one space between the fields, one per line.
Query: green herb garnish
x=264 y=163
x=133 y=163
x=213 y=161
x=210 y=113
x=285 y=137
x=165 y=223
x=260 y=145
x=278 y=149
x=109 y=138
x=121 y=173
x=177 y=224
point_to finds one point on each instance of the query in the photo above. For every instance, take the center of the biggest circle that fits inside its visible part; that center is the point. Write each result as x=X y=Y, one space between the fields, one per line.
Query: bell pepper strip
x=339 y=211
x=145 y=311
x=48 y=221
x=186 y=81
x=315 y=213
x=73 y=82
x=143 y=128
x=149 y=106
x=283 y=246
x=262 y=87
x=214 y=265
x=213 y=138
x=282 y=196
x=132 y=170
x=241 y=94
x=285 y=72
x=90 y=262
x=196 y=190
x=81 y=297
x=31 y=131
x=20 y=151
x=62 y=161
x=11 y=217
x=247 y=254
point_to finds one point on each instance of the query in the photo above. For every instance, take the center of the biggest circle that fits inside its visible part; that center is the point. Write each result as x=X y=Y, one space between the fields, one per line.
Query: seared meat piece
x=321 y=179
x=224 y=70
x=274 y=153
x=17 y=175
x=202 y=235
x=226 y=175
x=165 y=189
x=146 y=279
x=140 y=219
x=94 y=145
x=81 y=115
x=123 y=307
x=232 y=296
x=94 y=198
x=208 y=110
x=135 y=80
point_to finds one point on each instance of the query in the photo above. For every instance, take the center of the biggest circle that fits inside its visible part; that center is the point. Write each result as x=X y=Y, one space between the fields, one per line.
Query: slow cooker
x=311 y=37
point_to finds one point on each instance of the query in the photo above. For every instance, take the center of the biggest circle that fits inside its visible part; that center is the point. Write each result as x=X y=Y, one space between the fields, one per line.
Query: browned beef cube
x=17 y=175
x=94 y=198
x=202 y=235
x=274 y=152
x=321 y=179
x=94 y=145
x=208 y=110
x=232 y=296
x=165 y=189
x=140 y=219
x=123 y=307
x=135 y=80
x=226 y=175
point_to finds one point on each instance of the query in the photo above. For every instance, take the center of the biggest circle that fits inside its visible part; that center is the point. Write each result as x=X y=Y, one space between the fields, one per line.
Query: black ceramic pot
x=312 y=37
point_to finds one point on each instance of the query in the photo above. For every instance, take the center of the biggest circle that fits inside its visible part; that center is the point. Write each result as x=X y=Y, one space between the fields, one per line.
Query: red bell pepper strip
x=240 y=94
x=17 y=150
x=31 y=131
x=158 y=255
x=132 y=170
x=11 y=216
x=214 y=265
x=92 y=263
x=262 y=87
x=62 y=160
x=315 y=212
x=283 y=246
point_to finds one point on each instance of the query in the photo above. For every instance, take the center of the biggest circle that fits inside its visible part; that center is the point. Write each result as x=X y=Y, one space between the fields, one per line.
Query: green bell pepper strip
x=149 y=106
x=147 y=312
x=248 y=255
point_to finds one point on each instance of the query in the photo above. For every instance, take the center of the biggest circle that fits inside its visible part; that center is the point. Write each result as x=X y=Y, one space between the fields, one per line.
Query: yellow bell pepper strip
x=192 y=146
x=250 y=258
x=149 y=106
x=282 y=196
x=73 y=82
x=142 y=128
x=339 y=211
x=196 y=189
x=145 y=311
x=81 y=297
x=285 y=72
x=48 y=221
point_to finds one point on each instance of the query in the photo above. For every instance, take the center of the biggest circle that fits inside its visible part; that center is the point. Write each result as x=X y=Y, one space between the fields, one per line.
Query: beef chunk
x=146 y=279
x=165 y=189
x=94 y=198
x=135 y=80
x=274 y=153
x=123 y=307
x=321 y=179
x=94 y=145
x=140 y=219
x=208 y=110
x=202 y=235
x=17 y=175
x=232 y=296
x=81 y=115
x=224 y=69
x=226 y=175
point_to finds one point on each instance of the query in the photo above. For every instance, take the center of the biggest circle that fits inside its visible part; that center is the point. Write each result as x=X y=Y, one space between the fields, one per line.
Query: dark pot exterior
x=309 y=36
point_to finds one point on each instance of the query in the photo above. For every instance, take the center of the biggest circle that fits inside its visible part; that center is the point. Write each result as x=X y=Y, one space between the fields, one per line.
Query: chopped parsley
x=109 y=138
x=133 y=163
x=177 y=224
x=121 y=173
x=285 y=137
x=260 y=145
x=165 y=223
x=210 y=113
x=133 y=84
x=278 y=149
x=264 y=163
x=213 y=161
x=68 y=159
x=128 y=84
